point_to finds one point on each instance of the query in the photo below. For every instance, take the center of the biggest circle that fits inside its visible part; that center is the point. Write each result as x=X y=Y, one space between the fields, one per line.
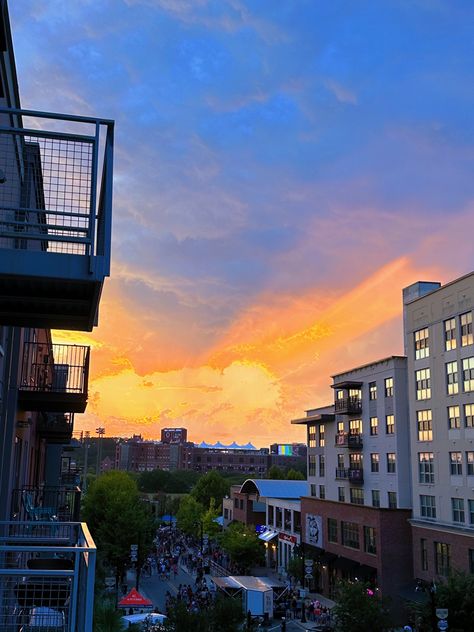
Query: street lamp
x=101 y=433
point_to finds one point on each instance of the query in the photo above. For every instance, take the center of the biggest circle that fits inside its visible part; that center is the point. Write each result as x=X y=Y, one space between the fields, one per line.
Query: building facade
x=359 y=480
x=439 y=343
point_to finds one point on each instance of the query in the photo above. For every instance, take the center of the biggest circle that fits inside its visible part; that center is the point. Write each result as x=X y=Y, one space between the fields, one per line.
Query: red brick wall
x=460 y=545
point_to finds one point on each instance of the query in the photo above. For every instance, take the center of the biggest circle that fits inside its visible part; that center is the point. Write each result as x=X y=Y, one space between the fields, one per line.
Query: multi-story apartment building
x=55 y=225
x=439 y=343
x=356 y=517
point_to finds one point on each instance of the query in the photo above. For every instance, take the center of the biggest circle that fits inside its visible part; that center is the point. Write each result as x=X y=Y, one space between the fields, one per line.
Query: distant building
x=174 y=435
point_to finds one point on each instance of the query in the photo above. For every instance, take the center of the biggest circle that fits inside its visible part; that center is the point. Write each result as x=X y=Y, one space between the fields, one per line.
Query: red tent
x=134 y=600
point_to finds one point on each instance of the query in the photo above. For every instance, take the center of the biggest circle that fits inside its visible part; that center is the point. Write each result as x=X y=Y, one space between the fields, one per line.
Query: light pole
x=87 y=435
x=100 y=432
x=303 y=573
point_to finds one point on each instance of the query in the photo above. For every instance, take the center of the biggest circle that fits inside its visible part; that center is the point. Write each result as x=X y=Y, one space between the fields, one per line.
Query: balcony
x=56 y=427
x=55 y=218
x=61 y=504
x=352 y=475
x=54 y=378
x=349 y=405
x=47 y=574
x=349 y=440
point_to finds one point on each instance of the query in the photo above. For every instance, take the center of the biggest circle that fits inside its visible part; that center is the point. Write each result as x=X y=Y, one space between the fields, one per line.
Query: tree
x=189 y=516
x=209 y=524
x=243 y=546
x=294 y=475
x=107 y=618
x=358 y=609
x=118 y=518
x=456 y=594
x=211 y=485
x=224 y=615
x=276 y=473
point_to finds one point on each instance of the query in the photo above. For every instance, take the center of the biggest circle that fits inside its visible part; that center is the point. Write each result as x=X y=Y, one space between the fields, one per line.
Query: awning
x=268 y=535
x=345 y=564
x=326 y=558
x=134 y=600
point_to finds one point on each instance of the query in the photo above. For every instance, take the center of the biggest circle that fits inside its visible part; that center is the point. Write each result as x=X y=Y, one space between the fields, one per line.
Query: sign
x=442 y=624
x=314 y=530
x=110 y=582
x=285 y=537
x=134 y=547
x=309 y=562
x=442 y=613
x=308 y=576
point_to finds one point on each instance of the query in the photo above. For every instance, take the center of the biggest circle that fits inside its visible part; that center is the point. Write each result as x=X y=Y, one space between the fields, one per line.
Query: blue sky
x=269 y=154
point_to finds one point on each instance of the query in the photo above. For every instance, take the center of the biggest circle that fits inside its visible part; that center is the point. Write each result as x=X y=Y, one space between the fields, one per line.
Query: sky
x=283 y=168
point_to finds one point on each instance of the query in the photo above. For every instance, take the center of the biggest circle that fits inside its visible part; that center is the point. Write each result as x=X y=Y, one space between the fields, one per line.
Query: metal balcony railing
x=53 y=503
x=353 y=475
x=350 y=405
x=349 y=440
x=47 y=574
x=54 y=377
x=55 y=200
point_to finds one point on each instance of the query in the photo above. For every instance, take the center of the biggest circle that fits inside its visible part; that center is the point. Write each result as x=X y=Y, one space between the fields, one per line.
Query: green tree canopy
x=243 y=546
x=276 y=473
x=189 y=515
x=358 y=609
x=224 y=615
x=294 y=475
x=180 y=482
x=209 y=524
x=211 y=485
x=118 y=518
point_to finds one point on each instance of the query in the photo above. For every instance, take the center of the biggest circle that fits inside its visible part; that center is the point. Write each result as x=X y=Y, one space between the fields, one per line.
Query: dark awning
x=345 y=564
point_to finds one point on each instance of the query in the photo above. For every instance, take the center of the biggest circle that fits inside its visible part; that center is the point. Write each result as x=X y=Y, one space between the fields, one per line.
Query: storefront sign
x=287 y=538
x=314 y=530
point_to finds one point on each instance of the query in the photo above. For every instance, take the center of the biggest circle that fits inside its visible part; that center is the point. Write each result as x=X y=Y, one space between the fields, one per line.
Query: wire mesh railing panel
x=47 y=503
x=54 y=368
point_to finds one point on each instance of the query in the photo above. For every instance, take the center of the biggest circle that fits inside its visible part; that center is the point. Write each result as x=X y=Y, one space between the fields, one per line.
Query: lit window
x=457 y=506
x=470 y=463
x=425 y=430
x=340 y=461
x=423 y=384
x=389 y=387
x=469 y=415
x=422 y=345
x=427 y=506
x=374 y=462
x=372 y=390
x=466 y=329
x=454 y=417
x=450 y=334
x=321 y=436
x=311 y=436
x=455 y=463
x=390 y=424
x=391 y=463
x=374 y=426
x=426 y=467
x=452 y=381
x=468 y=374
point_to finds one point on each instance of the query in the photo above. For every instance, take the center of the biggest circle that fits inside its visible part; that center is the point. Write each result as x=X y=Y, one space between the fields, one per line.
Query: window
x=424 y=554
x=341 y=494
x=374 y=426
x=422 y=345
x=390 y=424
x=470 y=507
x=457 y=506
x=374 y=462
x=313 y=489
x=427 y=506
x=332 y=530
x=454 y=417
x=425 y=430
x=426 y=467
x=340 y=461
x=372 y=391
x=423 y=384
x=321 y=436
x=392 y=500
x=471 y=561
x=270 y=514
x=455 y=463
x=355 y=427
x=452 y=380
x=312 y=465
x=340 y=427
x=350 y=534
x=389 y=387
x=469 y=415
x=391 y=463
x=312 y=436
x=466 y=329
x=357 y=496
x=322 y=492
x=468 y=374
x=321 y=465
x=450 y=334
x=355 y=461
x=375 y=498
x=470 y=463
x=369 y=540
x=442 y=558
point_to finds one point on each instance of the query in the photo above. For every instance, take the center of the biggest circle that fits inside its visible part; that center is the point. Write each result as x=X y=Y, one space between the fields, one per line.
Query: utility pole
x=100 y=432
x=87 y=435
